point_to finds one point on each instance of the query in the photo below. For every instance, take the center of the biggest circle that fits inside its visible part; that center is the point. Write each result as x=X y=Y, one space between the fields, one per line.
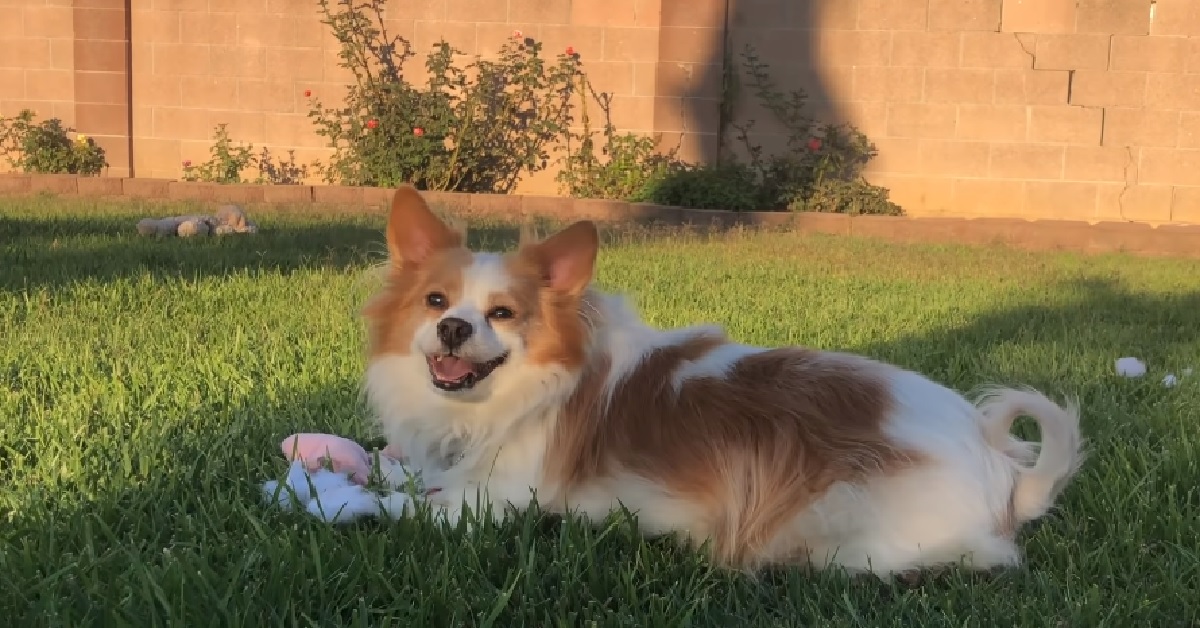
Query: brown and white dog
x=502 y=376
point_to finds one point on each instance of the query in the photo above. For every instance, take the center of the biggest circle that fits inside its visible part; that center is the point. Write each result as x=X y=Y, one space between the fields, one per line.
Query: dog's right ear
x=414 y=231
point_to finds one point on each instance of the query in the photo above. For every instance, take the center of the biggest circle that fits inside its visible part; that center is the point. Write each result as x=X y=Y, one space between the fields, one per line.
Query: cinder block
x=1170 y=166
x=1026 y=161
x=838 y=47
x=887 y=83
x=288 y=194
x=959 y=85
x=1142 y=53
x=951 y=158
x=1149 y=203
x=99 y=186
x=539 y=11
x=1032 y=87
x=338 y=195
x=995 y=123
x=1185 y=205
x=1100 y=163
x=925 y=50
x=690 y=45
x=895 y=156
x=926 y=121
x=1038 y=16
x=54 y=183
x=1064 y=124
x=682 y=115
x=1071 y=52
x=1108 y=89
x=693 y=13
x=99 y=24
x=630 y=44
x=1060 y=200
x=1189 y=129
x=1180 y=18
x=919 y=195
x=11 y=183
x=813 y=14
x=997 y=50
x=1128 y=17
x=893 y=15
x=97 y=119
x=990 y=197
x=1140 y=127
x=146 y=188
x=964 y=15
x=1174 y=91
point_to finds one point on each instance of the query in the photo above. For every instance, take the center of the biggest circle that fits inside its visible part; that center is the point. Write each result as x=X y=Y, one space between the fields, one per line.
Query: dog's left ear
x=414 y=231
x=567 y=259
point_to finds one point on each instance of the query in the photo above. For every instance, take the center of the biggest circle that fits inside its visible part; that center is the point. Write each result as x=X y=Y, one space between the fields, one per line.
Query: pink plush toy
x=316 y=451
x=329 y=476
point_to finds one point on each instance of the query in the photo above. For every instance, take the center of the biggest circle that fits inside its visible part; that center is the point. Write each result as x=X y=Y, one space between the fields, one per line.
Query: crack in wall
x=1129 y=182
x=1025 y=48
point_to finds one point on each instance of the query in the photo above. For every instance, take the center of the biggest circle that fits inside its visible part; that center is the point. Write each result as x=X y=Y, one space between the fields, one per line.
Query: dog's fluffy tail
x=1044 y=469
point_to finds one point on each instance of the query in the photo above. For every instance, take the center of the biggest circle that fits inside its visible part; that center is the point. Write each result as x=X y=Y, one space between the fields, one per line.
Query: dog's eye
x=500 y=313
x=435 y=299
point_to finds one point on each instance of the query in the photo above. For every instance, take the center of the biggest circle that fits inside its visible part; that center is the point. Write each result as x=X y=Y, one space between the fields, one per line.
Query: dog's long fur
x=775 y=456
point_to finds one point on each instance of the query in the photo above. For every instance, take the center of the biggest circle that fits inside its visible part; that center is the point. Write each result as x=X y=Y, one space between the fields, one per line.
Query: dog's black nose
x=454 y=332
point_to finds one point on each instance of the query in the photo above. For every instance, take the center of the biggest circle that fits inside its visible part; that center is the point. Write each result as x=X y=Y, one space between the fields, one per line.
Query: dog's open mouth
x=450 y=372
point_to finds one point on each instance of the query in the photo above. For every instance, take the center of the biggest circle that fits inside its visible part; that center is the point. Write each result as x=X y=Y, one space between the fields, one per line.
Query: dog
x=509 y=377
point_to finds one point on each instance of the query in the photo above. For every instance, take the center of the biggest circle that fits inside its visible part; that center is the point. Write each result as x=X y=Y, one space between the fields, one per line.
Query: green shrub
x=46 y=147
x=477 y=128
x=730 y=185
x=228 y=160
x=629 y=166
x=821 y=168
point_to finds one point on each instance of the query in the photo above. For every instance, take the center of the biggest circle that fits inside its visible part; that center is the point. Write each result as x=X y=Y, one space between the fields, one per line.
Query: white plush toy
x=334 y=479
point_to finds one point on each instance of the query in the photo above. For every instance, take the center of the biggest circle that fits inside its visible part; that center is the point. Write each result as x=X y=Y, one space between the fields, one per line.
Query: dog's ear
x=567 y=259
x=414 y=231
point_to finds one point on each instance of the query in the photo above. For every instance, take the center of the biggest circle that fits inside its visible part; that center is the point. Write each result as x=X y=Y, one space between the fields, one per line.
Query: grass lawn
x=145 y=386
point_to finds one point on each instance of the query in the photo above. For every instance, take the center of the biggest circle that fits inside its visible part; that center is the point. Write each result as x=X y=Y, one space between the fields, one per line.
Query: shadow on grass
x=48 y=244
x=38 y=252
x=1100 y=319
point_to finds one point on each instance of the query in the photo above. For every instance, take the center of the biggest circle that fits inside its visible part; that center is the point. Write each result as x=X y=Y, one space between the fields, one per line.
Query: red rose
x=516 y=34
x=372 y=123
x=570 y=51
x=814 y=144
x=187 y=163
x=418 y=131
x=307 y=93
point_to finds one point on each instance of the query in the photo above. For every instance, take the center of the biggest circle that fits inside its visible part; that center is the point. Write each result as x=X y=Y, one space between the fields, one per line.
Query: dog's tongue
x=451 y=369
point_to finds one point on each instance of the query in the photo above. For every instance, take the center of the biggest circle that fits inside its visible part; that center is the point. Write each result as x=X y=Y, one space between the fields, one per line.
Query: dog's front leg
x=453 y=501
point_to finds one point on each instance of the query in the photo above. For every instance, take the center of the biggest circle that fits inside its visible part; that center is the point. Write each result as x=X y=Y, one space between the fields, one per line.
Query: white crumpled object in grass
x=333 y=497
x=1133 y=367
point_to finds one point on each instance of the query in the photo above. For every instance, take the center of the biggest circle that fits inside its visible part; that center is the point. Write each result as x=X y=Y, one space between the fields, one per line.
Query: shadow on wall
x=784 y=36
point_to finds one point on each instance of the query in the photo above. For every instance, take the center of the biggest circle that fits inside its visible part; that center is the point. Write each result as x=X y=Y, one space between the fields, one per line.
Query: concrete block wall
x=37 y=58
x=1072 y=109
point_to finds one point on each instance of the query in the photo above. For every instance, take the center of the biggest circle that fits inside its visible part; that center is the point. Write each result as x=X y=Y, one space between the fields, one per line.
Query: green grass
x=145 y=386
